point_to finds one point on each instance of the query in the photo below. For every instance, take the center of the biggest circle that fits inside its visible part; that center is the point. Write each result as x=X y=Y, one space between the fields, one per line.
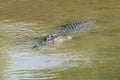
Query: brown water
x=94 y=55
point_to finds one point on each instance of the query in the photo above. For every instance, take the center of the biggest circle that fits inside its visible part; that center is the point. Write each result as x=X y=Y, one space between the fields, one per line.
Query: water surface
x=93 y=55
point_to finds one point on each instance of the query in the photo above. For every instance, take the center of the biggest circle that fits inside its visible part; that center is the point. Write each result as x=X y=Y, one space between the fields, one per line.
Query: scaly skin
x=77 y=27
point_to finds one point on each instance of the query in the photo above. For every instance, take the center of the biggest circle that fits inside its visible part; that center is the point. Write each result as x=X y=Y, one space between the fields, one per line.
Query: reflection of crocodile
x=65 y=33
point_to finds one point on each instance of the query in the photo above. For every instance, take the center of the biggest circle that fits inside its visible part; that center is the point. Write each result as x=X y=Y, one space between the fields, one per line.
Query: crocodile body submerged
x=65 y=33
x=52 y=39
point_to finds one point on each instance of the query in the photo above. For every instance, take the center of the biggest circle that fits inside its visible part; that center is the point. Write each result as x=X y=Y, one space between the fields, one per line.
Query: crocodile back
x=78 y=27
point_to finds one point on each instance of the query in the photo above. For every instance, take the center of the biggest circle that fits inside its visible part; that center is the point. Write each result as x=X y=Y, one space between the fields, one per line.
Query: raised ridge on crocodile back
x=77 y=27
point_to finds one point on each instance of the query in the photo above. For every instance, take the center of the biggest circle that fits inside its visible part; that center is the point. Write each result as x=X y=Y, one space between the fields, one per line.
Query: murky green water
x=94 y=55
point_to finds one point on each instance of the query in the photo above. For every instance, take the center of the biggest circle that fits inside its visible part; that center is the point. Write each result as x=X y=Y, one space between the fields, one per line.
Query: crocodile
x=52 y=39
x=65 y=32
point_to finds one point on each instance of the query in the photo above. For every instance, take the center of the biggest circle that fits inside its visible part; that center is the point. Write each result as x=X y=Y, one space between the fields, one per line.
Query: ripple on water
x=31 y=65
